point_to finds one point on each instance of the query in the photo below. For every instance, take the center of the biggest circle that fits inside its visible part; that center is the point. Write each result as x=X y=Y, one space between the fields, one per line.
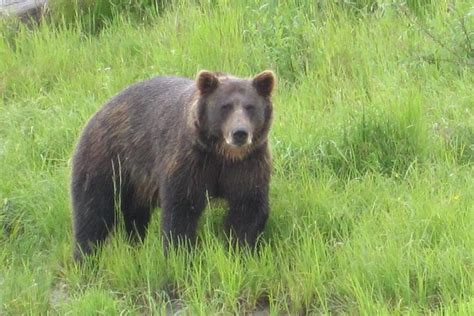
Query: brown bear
x=171 y=142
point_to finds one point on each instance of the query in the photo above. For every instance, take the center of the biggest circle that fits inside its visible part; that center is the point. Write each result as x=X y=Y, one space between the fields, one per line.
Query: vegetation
x=373 y=145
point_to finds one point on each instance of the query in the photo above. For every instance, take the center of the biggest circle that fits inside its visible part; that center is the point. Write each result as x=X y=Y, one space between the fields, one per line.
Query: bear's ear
x=264 y=83
x=206 y=82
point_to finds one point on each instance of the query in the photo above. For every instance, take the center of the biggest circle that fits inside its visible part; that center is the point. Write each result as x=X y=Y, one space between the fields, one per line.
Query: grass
x=373 y=145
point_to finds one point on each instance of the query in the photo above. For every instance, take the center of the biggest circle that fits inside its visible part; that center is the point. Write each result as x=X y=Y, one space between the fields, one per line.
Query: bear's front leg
x=181 y=214
x=245 y=186
x=248 y=214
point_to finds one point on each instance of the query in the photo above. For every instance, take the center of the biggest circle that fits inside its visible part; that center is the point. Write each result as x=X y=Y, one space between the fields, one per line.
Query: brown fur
x=170 y=142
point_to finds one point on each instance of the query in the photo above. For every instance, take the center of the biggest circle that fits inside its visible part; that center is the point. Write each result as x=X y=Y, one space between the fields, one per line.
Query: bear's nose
x=239 y=137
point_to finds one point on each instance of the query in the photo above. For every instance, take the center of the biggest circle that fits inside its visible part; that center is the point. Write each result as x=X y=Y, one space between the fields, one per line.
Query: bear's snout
x=240 y=136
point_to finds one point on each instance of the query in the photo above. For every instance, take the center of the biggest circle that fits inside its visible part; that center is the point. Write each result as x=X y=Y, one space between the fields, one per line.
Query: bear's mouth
x=234 y=152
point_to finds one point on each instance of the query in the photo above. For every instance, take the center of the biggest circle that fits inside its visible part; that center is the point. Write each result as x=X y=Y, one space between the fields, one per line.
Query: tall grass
x=372 y=140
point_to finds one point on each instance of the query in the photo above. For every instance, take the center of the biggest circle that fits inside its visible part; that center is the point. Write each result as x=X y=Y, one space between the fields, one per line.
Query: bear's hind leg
x=93 y=214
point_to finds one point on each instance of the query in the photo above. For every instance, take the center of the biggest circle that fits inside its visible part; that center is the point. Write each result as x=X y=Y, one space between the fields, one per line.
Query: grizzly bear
x=171 y=142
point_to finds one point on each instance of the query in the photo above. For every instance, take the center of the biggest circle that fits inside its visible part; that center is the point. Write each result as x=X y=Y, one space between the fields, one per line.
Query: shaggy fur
x=167 y=142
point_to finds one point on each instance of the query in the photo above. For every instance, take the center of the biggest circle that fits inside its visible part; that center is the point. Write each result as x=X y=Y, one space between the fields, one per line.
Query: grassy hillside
x=373 y=142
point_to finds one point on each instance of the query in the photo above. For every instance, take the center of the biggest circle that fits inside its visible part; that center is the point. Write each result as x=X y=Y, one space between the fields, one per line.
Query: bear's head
x=233 y=115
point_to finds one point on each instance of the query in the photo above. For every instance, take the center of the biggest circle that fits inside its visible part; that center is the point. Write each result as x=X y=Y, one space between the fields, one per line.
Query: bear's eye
x=250 y=107
x=226 y=107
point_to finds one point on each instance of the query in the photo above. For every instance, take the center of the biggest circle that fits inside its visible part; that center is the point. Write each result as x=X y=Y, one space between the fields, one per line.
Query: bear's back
x=156 y=92
x=139 y=123
x=144 y=109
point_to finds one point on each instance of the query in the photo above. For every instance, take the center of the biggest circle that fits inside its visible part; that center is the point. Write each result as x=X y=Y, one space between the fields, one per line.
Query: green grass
x=373 y=143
